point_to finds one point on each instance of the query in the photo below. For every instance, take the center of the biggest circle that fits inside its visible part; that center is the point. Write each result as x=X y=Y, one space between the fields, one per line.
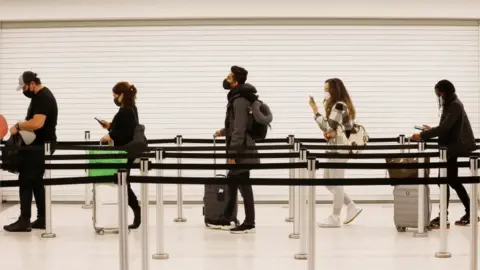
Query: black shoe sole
x=13 y=231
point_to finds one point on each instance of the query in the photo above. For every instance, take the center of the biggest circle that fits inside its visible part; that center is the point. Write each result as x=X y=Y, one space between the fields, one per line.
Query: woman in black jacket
x=121 y=131
x=455 y=133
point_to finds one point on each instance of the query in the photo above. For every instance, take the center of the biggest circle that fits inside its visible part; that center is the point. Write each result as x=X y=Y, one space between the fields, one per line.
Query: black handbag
x=11 y=159
x=139 y=143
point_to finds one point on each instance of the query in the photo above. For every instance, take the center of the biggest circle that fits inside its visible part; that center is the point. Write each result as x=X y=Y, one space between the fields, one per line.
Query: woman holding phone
x=336 y=125
x=121 y=131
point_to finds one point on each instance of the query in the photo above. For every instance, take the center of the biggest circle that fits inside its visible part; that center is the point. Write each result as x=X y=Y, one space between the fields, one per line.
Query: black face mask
x=118 y=103
x=226 y=85
x=28 y=94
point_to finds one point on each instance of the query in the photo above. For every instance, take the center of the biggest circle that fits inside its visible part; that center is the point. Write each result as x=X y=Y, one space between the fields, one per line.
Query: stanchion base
x=420 y=235
x=301 y=256
x=87 y=206
x=180 y=219
x=48 y=235
x=289 y=219
x=294 y=236
x=160 y=256
x=443 y=254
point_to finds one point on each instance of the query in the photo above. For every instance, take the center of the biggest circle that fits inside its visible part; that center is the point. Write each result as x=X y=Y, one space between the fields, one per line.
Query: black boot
x=39 y=224
x=137 y=218
x=21 y=225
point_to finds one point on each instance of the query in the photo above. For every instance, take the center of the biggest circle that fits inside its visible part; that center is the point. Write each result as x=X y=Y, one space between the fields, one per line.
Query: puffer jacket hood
x=245 y=88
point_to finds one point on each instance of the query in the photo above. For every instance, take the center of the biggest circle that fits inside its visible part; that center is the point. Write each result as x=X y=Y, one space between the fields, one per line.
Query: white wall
x=28 y=10
x=21 y=40
x=390 y=69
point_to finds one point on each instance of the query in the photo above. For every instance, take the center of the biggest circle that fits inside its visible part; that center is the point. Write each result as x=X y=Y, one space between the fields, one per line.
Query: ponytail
x=128 y=92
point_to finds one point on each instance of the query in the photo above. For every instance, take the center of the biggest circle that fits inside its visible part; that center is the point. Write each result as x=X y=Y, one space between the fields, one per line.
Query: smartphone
x=99 y=121
x=420 y=127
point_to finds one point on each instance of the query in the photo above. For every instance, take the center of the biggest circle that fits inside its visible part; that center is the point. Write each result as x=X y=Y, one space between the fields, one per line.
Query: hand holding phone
x=419 y=128
x=102 y=123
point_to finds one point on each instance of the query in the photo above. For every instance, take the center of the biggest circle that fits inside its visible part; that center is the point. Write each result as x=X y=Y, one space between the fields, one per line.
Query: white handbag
x=358 y=137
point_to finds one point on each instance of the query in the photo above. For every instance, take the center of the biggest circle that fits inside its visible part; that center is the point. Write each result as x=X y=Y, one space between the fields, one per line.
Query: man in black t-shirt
x=42 y=120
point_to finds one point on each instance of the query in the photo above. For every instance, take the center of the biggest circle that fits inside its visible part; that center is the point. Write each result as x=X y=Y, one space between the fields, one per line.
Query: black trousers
x=452 y=173
x=31 y=173
x=247 y=195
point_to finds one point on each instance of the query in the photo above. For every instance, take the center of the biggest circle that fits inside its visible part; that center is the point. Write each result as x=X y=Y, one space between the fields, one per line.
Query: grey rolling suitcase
x=215 y=200
x=405 y=207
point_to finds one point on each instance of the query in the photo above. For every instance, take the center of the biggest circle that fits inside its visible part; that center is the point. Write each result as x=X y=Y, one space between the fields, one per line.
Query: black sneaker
x=20 y=225
x=465 y=220
x=221 y=224
x=38 y=224
x=435 y=223
x=243 y=229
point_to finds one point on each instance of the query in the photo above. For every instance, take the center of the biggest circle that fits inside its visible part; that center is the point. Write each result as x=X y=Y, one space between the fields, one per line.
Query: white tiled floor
x=371 y=242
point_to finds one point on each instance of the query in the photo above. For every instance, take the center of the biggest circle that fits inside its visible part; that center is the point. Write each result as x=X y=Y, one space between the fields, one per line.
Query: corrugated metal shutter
x=389 y=68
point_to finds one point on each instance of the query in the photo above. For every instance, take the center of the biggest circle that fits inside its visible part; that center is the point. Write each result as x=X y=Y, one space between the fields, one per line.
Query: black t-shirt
x=44 y=102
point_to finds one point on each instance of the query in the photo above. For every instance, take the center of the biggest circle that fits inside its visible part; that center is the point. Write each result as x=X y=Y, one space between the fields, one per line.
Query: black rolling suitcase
x=215 y=199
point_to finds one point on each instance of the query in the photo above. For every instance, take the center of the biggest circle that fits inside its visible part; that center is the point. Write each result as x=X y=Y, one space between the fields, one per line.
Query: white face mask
x=326 y=95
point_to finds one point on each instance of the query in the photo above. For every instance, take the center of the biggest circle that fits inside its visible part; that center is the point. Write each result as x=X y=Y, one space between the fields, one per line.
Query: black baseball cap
x=26 y=77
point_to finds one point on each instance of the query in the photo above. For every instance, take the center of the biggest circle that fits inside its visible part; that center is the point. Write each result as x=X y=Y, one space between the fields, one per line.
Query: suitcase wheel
x=401 y=229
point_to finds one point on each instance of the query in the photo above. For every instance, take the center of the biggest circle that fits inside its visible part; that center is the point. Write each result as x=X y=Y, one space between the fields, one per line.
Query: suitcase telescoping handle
x=214 y=154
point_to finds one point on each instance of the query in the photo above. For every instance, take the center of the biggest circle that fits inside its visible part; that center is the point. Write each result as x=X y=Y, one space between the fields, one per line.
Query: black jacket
x=237 y=122
x=454 y=130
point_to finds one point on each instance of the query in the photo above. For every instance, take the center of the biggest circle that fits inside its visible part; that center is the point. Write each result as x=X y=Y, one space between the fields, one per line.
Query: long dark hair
x=338 y=93
x=128 y=92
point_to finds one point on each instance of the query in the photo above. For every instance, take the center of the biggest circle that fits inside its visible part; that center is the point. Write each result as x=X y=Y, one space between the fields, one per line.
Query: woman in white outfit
x=336 y=125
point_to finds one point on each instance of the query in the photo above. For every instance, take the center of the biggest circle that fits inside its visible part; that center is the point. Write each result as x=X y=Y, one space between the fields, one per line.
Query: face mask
x=28 y=94
x=226 y=85
x=326 y=96
x=118 y=103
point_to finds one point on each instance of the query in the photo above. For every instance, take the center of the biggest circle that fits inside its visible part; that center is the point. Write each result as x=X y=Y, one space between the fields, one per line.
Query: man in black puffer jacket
x=455 y=133
x=238 y=139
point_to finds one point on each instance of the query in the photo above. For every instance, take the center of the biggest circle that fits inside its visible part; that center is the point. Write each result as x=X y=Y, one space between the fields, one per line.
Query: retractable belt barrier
x=302 y=167
x=87 y=142
x=256 y=181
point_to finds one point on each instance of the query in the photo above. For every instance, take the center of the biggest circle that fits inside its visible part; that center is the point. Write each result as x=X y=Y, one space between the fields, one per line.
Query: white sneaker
x=333 y=221
x=352 y=212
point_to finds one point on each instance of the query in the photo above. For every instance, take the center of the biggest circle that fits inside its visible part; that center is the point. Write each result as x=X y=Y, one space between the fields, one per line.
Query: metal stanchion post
x=291 y=175
x=401 y=141
x=474 y=215
x=144 y=195
x=443 y=253
x=421 y=232
x=296 y=196
x=302 y=202
x=48 y=196
x=180 y=218
x=311 y=167
x=161 y=254
x=122 y=218
x=88 y=187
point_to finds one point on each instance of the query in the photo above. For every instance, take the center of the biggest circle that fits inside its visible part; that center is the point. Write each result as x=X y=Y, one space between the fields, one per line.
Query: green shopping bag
x=105 y=172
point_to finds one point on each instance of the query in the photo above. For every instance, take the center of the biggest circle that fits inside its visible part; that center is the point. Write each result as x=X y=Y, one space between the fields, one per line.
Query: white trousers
x=339 y=196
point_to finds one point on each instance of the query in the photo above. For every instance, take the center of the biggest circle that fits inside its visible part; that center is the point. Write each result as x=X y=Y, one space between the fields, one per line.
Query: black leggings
x=132 y=198
x=452 y=173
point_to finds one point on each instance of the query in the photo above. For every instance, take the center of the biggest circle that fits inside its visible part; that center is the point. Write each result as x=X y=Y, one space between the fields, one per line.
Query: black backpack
x=260 y=118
